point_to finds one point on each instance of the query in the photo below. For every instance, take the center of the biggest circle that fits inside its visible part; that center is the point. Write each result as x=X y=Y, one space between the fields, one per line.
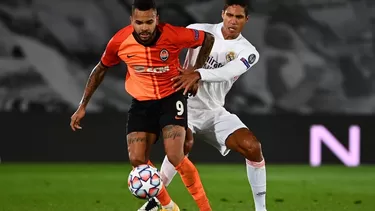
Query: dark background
x=316 y=67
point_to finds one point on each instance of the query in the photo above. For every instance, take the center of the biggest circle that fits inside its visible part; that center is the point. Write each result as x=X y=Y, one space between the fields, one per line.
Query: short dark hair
x=143 y=5
x=243 y=3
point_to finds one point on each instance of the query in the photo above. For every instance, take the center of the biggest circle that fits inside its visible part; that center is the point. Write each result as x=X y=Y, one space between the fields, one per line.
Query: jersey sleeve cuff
x=204 y=74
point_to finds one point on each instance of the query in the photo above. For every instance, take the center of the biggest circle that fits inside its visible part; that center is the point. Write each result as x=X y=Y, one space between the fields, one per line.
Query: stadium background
x=317 y=68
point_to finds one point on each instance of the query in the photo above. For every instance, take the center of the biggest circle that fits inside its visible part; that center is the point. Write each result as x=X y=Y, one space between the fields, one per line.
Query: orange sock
x=190 y=177
x=163 y=195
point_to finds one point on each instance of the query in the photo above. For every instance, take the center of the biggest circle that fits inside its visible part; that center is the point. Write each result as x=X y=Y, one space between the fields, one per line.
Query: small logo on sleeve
x=252 y=58
x=245 y=62
x=196 y=34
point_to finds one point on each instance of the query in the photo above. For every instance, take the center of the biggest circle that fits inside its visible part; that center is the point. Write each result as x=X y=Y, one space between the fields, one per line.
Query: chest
x=222 y=53
x=161 y=54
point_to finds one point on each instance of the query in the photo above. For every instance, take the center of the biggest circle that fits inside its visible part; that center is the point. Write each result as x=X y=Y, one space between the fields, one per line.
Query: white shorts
x=214 y=126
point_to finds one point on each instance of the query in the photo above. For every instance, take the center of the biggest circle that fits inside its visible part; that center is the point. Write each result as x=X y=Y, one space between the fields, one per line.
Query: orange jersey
x=151 y=68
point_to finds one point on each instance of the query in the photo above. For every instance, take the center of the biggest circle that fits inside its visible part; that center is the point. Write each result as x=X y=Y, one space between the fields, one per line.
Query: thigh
x=143 y=116
x=174 y=110
x=222 y=125
x=139 y=147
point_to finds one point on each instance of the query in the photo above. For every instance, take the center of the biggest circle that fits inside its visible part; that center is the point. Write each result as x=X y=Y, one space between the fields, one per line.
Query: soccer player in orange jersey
x=151 y=50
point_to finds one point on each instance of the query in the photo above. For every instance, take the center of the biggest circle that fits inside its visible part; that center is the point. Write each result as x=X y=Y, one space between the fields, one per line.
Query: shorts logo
x=230 y=56
x=245 y=62
x=196 y=34
x=178 y=117
x=164 y=55
x=251 y=58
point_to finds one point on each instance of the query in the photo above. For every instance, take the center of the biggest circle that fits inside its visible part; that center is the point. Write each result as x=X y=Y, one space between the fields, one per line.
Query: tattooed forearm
x=172 y=132
x=95 y=78
x=135 y=139
x=205 y=51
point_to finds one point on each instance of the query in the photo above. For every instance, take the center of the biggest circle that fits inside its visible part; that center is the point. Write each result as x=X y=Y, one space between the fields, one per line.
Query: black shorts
x=153 y=115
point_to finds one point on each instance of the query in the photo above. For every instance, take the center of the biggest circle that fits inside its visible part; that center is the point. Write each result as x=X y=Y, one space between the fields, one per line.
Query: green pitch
x=103 y=187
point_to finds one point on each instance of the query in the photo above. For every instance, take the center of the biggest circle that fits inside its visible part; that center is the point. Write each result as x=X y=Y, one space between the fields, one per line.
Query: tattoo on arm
x=205 y=51
x=172 y=132
x=95 y=79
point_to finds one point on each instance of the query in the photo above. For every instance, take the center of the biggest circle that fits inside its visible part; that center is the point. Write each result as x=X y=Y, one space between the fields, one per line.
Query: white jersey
x=228 y=60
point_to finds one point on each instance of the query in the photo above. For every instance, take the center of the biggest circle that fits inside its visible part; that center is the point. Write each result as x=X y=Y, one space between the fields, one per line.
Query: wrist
x=198 y=75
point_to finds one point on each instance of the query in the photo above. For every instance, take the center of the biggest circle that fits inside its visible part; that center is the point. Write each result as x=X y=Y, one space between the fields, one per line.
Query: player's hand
x=193 y=90
x=186 y=80
x=76 y=118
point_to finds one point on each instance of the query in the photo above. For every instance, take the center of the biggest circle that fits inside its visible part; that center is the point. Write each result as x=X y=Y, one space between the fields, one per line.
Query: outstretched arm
x=233 y=69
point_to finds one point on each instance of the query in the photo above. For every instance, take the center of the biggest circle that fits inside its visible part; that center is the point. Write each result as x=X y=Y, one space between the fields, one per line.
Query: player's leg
x=245 y=142
x=174 y=125
x=167 y=172
x=232 y=134
x=142 y=132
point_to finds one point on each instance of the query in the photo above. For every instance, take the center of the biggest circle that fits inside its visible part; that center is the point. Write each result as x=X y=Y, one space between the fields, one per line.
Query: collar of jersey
x=218 y=31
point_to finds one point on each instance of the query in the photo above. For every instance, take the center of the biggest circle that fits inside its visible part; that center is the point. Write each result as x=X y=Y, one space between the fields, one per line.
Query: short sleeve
x=110 y=57
x=189 y=38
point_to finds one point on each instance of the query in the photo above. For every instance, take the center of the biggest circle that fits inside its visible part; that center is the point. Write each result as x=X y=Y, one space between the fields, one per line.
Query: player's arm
x=95 y=79
x=109 y=59
x=192 y=38
x=237 y=67
x=205 y=50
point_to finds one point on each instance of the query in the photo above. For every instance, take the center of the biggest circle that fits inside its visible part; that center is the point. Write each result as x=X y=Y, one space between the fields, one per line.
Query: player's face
x=144 y=23
x=234 y=19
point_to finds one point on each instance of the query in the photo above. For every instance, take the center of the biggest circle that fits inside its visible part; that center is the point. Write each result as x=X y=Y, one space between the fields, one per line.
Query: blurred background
x=310 y=100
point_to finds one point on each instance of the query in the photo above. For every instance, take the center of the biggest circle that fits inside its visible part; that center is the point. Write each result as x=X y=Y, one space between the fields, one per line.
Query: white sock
x=256 y=173
x=169 y=206
x=167 y=171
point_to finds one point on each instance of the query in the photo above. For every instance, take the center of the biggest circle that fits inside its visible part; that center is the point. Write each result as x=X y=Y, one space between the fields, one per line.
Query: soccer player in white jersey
x=231 y=56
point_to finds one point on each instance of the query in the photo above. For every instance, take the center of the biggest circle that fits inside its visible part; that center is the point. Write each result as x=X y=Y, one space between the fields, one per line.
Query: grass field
x=103 y=187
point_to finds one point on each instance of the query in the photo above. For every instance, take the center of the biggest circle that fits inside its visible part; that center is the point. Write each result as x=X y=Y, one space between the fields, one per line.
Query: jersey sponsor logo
x=251 y=58
x=211 y=63
x=230 y=56
x=130 y=56
x=164 y=55
x=196 y=34
x=245 y=62
x=142 y=69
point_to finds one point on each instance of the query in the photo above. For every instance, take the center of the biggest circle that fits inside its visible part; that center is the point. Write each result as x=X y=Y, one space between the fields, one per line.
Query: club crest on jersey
x=251 y=58
x=230 y=56
x=164 y=55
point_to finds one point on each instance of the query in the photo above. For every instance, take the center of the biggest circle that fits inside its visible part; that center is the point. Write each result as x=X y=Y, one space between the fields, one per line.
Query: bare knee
x=137 y=148
x=252 y=150
x=245 y=142
x=137 y=160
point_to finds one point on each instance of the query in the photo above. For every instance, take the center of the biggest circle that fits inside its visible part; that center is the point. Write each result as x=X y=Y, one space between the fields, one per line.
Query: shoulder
x=247 y=46
x=122 y=34
x=202 y=26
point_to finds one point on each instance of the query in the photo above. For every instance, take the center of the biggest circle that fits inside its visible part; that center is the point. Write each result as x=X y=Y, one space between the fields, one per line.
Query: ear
x=131 y=19
x=157 y=19
x=222 y=14
x=247 y=18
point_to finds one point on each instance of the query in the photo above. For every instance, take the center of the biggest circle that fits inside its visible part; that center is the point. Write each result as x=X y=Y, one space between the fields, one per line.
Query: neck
x=228 y=36
x=152 y=41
